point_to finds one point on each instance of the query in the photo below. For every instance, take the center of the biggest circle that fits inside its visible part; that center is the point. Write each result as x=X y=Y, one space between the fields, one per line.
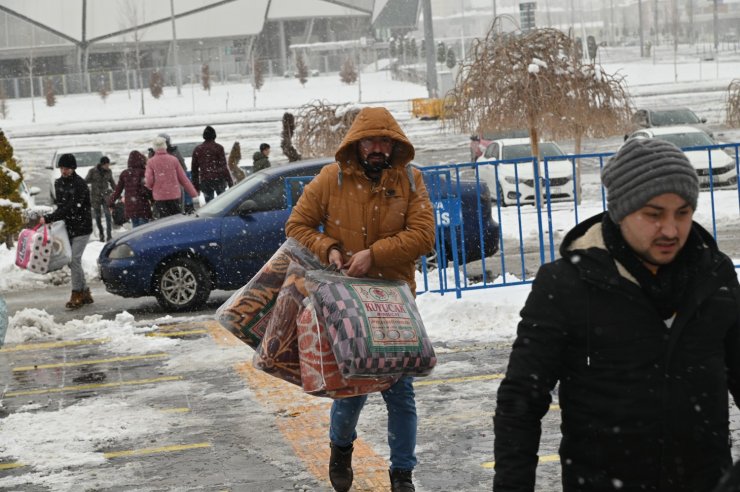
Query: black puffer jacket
x=643 y=406
x=73 y=205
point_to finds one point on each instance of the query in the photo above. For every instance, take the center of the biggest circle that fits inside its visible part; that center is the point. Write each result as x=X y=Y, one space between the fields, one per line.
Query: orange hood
x=375 y=122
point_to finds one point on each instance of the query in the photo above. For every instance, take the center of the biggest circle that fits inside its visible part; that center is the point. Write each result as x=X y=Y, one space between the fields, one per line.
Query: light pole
x=642 y=40
x=462 y=29
x=714 y=23
x=178 y=76
x=430 y=49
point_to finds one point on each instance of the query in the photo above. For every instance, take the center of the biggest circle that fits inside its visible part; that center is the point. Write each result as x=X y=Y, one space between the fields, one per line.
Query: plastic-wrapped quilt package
x=247 y=312
x=277 y=354
x=375 y=326
x=320 y=375
x=61 y=248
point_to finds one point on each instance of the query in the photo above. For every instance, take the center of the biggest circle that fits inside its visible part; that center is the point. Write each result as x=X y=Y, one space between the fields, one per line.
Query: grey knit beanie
x=644 y=168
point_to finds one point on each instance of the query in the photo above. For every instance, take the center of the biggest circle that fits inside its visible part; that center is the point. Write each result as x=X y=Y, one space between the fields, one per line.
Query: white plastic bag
x=61 y=248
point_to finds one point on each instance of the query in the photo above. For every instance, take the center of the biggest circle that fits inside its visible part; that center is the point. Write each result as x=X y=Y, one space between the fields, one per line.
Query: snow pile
x=88 y=428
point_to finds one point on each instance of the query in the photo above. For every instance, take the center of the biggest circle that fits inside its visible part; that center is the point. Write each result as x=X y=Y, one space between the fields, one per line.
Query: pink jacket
x=164 y=176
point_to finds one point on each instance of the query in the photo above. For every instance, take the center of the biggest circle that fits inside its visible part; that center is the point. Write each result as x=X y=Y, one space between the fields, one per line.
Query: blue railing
x=552 y=193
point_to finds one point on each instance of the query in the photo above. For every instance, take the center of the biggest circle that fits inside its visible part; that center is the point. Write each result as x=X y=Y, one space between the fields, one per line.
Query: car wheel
x=182 y=284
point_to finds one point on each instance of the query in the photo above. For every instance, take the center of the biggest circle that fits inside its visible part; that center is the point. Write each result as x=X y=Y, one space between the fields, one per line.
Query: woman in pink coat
x=164 y=176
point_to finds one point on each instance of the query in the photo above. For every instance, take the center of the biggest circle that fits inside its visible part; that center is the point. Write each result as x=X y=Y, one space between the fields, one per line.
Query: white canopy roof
x=114 y=20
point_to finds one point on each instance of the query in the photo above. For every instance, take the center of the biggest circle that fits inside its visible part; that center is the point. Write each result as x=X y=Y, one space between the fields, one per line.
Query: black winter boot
x=340 y=467
x=401 y=481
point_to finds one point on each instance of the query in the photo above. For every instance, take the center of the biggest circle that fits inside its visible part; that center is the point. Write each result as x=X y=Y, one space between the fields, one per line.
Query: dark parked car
x=180 y=259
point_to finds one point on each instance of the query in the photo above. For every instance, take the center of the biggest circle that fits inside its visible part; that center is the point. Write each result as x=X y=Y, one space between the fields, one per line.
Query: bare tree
x=733 y=103
x=156 y=84
x=348 y=73
x=286 y=138
x=301 y=69
x=4 y=109
x=29 y=70
x=133 y=16
x=536 y=81
x=322 y=126
x=205 y=77
x=51 y=97
x=258 y=76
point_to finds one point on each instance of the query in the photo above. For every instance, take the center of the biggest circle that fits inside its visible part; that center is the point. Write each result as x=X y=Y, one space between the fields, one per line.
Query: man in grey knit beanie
x=644 y=168
x=638 y=323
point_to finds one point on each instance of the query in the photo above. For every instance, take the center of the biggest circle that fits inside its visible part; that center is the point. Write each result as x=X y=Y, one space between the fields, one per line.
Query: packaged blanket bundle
x=320 y=374
x=277 y=354
x=247 y=312
x=374 y=325
x=61 y=248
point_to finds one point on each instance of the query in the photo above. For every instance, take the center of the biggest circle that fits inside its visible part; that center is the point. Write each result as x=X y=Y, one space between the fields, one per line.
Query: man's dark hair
x=104 y=160
x=264 y=146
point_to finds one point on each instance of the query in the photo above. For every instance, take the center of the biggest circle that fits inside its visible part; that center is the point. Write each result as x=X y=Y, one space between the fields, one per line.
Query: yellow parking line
x=548 y=458
x=51 y=345
x=163 y=449
x=176 y=333
x=175 y=410
x=10 y=466
x=462 y=379
x=83 y=387
x=307 y=423
x=91 y=362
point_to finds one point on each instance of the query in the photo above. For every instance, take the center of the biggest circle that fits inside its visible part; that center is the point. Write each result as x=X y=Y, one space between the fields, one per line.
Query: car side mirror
x=703 y=120
x=34 y=190
x=475 y=138
x=247 y=207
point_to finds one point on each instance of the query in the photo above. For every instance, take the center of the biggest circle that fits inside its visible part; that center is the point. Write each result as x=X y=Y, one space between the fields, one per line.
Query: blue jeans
x=399 y=400
x=137 y=221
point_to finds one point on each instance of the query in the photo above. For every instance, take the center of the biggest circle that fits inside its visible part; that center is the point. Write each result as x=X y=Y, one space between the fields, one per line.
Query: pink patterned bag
x=33 y=250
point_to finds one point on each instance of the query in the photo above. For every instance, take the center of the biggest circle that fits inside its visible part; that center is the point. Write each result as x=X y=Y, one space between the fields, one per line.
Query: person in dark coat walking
x=261 y=158
x=209 y=168
x=73 y=207
x=639 y=323
x=137 y=205
x=100 y=179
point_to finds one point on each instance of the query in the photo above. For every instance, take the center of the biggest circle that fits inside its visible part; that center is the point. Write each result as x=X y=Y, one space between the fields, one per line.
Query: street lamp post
x=178 y=75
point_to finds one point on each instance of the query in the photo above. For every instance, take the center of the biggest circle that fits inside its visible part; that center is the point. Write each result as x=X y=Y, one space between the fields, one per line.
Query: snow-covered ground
x=479 y=316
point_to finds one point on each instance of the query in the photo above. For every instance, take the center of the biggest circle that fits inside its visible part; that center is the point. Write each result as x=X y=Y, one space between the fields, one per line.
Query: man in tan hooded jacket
x=377 y=220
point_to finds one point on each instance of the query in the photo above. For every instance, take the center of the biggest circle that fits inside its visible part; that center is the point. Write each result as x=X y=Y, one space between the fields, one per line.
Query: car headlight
x=121 y=251
x=510 y=179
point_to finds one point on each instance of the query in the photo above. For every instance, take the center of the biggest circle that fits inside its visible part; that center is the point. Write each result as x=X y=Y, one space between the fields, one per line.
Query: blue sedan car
x=180 y=259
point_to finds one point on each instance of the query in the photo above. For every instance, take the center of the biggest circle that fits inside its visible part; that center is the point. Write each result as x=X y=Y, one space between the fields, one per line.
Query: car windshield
x=186 y=148
x=221 y=203
x=687 y=139
x=84 y=159
x=674 y=117
x=525 y=150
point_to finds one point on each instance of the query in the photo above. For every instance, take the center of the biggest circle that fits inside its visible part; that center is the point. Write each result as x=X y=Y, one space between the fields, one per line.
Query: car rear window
x=85 y=159
x=674 y=117
x=525 y=150
x=186 y=148
x=687 y=139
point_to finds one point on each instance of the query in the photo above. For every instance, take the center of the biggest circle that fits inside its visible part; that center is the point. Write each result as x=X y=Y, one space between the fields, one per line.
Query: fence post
x=64 y=84
x=16 y=88
x=110 y=80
